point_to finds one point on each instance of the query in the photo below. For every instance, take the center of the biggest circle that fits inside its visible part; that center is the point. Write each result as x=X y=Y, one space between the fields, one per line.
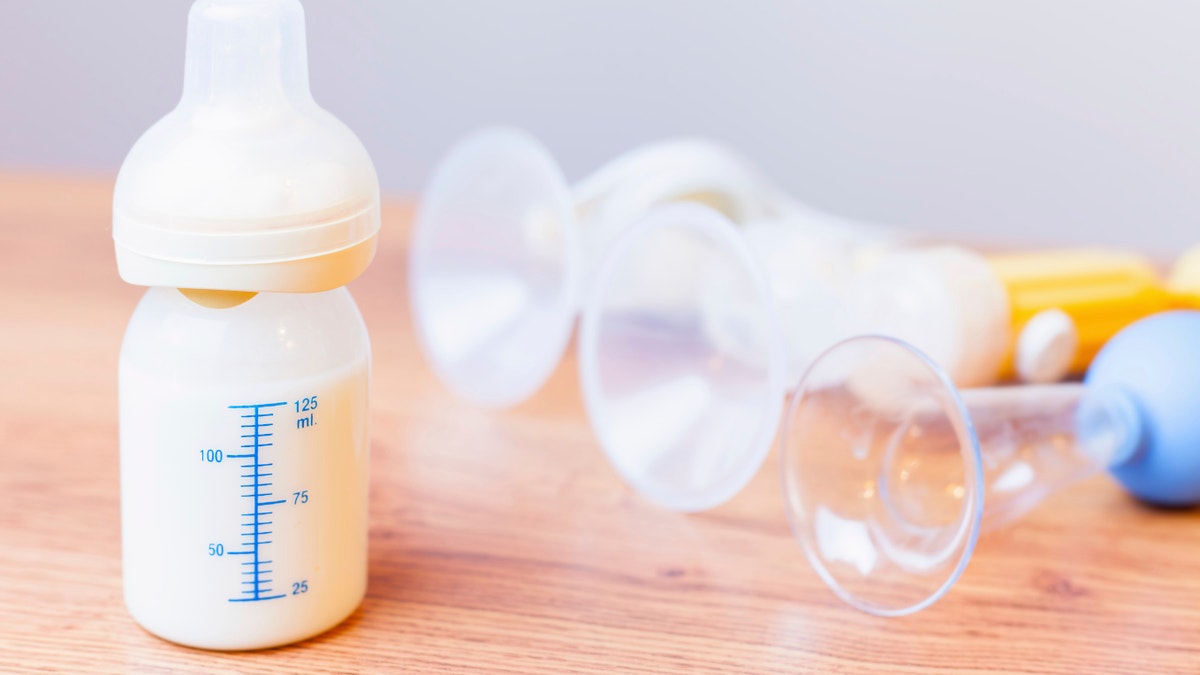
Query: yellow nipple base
x=216 y=299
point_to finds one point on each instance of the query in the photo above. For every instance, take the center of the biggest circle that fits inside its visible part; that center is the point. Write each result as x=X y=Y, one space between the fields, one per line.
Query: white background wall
x=1051 y=120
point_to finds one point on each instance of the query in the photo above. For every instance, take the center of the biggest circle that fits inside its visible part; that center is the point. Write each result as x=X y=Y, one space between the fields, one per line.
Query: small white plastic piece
x=945 y=301
x=1046 y=347
x=1185 y=276
x=247 y=184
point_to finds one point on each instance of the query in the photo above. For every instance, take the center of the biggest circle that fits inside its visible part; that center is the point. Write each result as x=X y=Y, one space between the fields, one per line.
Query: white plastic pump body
x=244 y=467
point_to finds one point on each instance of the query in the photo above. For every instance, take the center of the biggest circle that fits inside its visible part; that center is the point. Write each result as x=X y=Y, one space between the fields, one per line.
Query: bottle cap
x=247 y=185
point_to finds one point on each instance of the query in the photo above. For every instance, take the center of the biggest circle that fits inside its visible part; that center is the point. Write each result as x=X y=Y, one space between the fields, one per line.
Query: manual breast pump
x=244 y=371
x=890 y=472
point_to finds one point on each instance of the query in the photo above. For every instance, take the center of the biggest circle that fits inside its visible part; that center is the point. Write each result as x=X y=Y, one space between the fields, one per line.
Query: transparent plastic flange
x=890 y=472
x=489 y=302
x=683 y=386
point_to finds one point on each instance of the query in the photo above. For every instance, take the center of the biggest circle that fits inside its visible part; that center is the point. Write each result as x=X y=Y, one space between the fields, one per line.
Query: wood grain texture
x=502 y=541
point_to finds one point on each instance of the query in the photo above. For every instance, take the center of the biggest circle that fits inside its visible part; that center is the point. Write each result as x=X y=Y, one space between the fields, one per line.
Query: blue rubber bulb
x=1157 y=361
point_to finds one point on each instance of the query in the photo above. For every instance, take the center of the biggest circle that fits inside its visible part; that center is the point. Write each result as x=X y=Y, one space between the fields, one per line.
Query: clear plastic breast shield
x=891 y=473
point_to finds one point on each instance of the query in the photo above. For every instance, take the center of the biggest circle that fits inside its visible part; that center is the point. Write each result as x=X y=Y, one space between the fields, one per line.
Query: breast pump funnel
x=494 y=270
x=682 y=418
x=503 y=246
x=891 y=473
x=248 y=184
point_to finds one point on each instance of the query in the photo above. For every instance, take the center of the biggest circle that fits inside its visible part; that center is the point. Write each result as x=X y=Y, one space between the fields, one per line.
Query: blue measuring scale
x=257 y=424
x=267 y=471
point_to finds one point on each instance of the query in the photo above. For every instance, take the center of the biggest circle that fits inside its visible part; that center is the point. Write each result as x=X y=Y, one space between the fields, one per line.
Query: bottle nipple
x=245 y=58
x=216 y=299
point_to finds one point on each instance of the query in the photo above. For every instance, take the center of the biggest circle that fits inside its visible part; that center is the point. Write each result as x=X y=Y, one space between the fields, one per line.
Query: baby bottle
x=244 y=372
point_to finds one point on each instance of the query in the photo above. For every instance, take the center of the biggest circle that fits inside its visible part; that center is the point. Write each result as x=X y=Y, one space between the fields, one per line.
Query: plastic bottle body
x=244 y=467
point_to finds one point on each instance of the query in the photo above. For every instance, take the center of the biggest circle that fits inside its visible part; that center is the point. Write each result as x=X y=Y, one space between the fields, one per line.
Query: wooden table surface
x=502 y=541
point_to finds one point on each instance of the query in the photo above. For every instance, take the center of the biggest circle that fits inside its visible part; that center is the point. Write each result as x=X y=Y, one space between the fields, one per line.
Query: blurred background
x=1064 y=121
